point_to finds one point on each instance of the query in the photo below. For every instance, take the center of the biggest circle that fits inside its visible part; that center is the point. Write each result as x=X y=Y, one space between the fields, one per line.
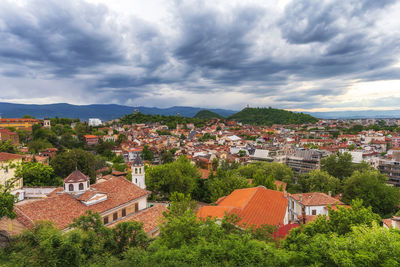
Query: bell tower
x=138 y=175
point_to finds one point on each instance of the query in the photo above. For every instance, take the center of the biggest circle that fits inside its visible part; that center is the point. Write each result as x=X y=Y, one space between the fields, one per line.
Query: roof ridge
x=248 y=200
x=21 y=213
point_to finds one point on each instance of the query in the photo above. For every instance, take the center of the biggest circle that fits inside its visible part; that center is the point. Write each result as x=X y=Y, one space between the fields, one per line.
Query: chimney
x=330 y=193
x=284 y=194
x=303 y=214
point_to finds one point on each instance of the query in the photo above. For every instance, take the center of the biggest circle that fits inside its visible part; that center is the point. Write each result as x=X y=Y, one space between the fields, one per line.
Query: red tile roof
x=89 y=136
x=150 y=217
x=284 y=230
x=76 y=177
x=4 y=156
x=62 y=208
x=18 y=120
x=254 y=206
x=316 y=199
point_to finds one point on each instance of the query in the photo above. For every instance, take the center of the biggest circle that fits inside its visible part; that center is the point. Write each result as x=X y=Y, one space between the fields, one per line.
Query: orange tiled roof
x=4 y=156
x=254 y=206
x=89 y=136
x=18 y=120
x=316 y=199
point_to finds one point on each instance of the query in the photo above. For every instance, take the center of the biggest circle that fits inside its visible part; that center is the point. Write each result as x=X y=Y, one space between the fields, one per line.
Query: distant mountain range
x=104 y=112
x=112 y=111
x=357 y=114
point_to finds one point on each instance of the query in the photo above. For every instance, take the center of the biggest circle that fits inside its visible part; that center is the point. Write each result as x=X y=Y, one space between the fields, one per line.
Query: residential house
x=254 y=206
x=304 y=207
x=7 y=171
x=6 y=134
x=25 y=124
x=91 y=139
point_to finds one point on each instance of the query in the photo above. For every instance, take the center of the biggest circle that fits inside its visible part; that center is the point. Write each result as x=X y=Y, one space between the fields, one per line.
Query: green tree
x=38 y=145
x=260 y=178
x=147 y=153
x=339 y=166
x=37 y=174
x=179 y=176
x=66 y=162
x=6 y=203
x=322 y=181
x=167 y=156
x=340 y=222
x=7 y=146
x=242 y=153
x=224 y=183
x=371 y=187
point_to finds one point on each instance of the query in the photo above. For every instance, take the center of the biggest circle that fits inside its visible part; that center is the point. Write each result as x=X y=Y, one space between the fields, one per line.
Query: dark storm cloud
x=245 y=48
x=63 y=37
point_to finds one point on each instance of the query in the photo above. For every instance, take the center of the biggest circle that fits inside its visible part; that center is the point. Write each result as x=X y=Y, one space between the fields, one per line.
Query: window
x=105 y=220
x=71 y=187
x=135 y=180
x=123 y=212
x=81 y=186
x=135 y=170
x=88 y=184
x=314 y=212
x=140 y=170
x=115 y=216
x=136 y=207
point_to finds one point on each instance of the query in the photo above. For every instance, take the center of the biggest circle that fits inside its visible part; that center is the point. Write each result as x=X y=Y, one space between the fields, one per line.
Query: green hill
x=207 y=115
x=270 y=116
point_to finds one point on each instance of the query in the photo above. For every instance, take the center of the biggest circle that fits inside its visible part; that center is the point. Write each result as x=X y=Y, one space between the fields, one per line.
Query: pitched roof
x=284 y=230
x=316 y=199
x=61 y=208
x=76 y=177
x=4 y=156
x=90 y=136
x=254 y=206
x=150 y=217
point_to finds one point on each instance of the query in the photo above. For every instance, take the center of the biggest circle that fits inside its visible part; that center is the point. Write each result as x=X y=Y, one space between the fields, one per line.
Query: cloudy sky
x=311 y=55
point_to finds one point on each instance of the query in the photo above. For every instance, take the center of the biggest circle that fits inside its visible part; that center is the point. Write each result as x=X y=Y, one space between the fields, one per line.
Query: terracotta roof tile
x=254 y=206
x=76 y=177
x=4 y=156
x=150 y=217
x=284 y=230
x=62 y=208
x=316 y=199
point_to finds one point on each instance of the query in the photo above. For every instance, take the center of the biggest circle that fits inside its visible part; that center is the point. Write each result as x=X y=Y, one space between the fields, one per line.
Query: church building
x=115 y=199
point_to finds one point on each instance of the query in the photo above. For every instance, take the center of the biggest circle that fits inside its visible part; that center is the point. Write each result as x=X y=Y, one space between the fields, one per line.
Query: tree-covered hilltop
x=270 y=116
x=170 y=121
x=207 y=115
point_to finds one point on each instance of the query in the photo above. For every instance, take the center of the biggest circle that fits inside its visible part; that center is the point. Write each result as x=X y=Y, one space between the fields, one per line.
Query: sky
x=304 y=55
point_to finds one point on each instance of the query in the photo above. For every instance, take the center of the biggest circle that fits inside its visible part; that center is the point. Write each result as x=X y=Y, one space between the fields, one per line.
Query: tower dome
x=76 y=183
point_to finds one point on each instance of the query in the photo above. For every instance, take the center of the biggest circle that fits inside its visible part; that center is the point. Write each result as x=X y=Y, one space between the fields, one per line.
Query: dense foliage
x=371 y=187
x=270 y=116
x=66 y=162
x=37 y=174
x=7 y=146
x=350 y=237
x=207 y=115
x=178 y=176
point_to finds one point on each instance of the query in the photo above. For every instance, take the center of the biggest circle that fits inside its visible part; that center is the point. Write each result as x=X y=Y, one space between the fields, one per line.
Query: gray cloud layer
x=302 y=57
